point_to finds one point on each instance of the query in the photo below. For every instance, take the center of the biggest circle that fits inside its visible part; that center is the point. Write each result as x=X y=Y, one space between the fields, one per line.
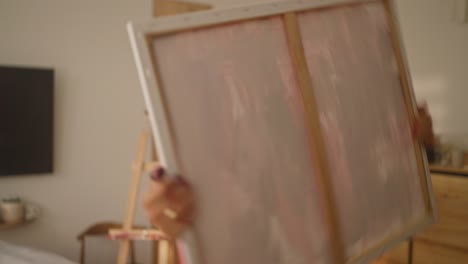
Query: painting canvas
x=229 y=112
x=363 y=117
x=241 y=116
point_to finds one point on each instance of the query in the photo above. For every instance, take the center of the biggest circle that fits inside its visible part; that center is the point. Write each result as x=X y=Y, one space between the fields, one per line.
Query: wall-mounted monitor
x=26 y=120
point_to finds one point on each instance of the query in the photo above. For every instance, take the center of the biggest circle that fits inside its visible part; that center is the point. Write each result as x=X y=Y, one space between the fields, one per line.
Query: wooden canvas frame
x=142 y=33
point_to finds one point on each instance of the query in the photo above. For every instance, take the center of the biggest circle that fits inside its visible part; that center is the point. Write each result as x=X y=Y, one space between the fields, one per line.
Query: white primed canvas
x=227 y=114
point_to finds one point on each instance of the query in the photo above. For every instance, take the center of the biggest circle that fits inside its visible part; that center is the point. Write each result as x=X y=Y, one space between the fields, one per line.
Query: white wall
x=98 y=115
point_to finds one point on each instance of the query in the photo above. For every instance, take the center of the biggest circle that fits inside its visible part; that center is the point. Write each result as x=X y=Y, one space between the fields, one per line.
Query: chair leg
x=155 y=252
x=410 y=251
x=132 y=253
x=82 y=251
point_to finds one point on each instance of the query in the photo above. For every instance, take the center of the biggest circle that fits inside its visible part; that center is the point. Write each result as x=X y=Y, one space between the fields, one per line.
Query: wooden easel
x=128 y=233
x=141 y=166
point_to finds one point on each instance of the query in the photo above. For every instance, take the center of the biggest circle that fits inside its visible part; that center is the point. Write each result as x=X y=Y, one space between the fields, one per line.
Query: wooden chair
x=101 y=229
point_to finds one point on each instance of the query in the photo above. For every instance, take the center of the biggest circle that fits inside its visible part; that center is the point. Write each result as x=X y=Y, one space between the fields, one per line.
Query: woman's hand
x=423 y=128
x=169 y=203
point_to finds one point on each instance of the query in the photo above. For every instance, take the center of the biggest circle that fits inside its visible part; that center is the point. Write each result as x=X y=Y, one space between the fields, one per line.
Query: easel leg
x=173 y=256
x=137 y=171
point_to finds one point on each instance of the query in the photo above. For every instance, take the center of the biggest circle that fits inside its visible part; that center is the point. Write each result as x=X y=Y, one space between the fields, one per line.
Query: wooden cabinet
x=447 y=241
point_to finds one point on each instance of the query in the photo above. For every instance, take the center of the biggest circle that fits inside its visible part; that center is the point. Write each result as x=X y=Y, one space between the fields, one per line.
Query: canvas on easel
x=292 y=120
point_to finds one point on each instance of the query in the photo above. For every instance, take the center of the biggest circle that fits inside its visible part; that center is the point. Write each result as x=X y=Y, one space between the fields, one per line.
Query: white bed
x=14 y=254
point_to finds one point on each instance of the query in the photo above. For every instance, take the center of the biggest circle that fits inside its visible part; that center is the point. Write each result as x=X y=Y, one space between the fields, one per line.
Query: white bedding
x=13 y=254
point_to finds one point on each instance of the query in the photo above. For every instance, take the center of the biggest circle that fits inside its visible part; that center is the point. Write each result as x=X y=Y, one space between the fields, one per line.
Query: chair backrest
x=101 y=229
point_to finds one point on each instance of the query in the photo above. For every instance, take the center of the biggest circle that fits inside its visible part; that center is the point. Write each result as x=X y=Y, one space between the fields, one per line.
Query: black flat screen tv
x=26 y=120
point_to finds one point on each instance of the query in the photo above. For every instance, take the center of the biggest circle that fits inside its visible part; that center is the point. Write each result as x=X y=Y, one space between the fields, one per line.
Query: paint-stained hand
x=423 y=126
x=169 y=203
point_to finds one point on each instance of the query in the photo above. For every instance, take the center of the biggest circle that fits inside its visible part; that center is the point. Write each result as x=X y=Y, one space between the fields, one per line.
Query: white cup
x=12 y=212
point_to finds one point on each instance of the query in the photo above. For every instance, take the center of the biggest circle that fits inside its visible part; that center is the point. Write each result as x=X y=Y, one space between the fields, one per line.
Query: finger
x=178 y=189
x=170 y=227
x=182 y=210
x=164 y=189
x=158 y=174
x=154 y=194
x=423 y=106
x=422 y=129
x=159 y=182
x=179 y=195
x=155 y=208
x=154 y=198
x=186 y=213
x=415 y=128
x=172 y=221
x=423 y=111
x=169 y=202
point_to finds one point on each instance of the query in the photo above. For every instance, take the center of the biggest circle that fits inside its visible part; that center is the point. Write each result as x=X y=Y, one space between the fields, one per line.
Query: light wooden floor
x=447 y=241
